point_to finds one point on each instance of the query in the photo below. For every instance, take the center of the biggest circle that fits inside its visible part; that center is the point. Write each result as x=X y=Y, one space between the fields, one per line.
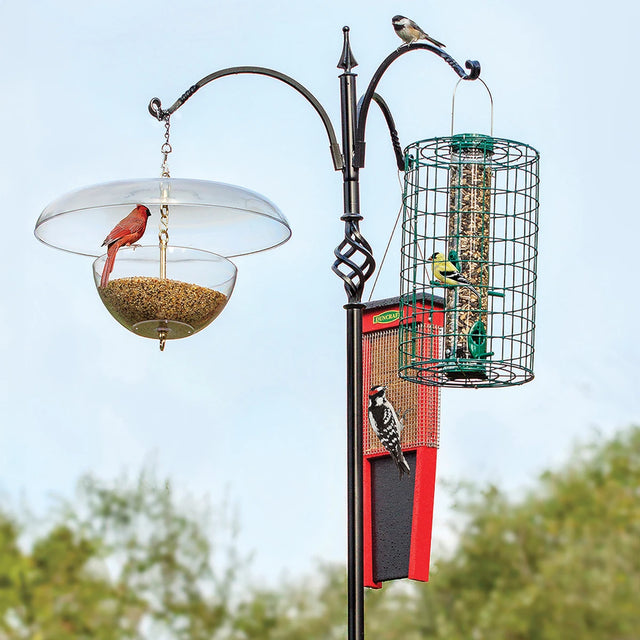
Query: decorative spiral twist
x=354 y=263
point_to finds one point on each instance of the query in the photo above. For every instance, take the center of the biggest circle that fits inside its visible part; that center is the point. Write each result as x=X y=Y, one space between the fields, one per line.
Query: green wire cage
x=468 y=262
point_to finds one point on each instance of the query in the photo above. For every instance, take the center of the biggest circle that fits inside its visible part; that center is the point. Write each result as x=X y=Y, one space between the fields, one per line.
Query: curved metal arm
x=393 y=132
x=155 y=106
x=472 y=65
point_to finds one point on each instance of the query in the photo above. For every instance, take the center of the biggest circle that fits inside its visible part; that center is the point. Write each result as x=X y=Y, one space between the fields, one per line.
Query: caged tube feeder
x=474 y=199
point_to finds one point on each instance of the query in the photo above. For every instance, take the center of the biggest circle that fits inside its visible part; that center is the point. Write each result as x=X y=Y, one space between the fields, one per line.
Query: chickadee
x=410 y=32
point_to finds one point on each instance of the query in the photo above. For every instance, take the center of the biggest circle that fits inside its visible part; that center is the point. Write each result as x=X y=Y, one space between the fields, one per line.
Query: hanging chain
x=163 y=234
x=166 y=148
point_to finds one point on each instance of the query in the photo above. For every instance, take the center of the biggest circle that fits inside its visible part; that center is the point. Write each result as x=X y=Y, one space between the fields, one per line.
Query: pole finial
x=347 y=59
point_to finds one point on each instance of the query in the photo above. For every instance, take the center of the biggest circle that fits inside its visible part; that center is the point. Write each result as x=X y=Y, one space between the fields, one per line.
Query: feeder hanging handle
x=453 y=102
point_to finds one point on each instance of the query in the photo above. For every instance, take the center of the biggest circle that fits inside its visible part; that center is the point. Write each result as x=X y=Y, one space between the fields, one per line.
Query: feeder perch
x=177 y=287
x=474 y=199
x=398 y=511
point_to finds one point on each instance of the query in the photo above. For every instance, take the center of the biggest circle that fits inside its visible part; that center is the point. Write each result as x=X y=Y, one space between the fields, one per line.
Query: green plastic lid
x=467 y=141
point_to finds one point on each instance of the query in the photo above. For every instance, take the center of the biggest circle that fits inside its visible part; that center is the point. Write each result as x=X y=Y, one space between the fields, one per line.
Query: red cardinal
x=126 y=232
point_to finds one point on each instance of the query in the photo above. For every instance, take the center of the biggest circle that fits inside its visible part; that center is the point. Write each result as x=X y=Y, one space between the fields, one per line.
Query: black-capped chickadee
x=410 y=32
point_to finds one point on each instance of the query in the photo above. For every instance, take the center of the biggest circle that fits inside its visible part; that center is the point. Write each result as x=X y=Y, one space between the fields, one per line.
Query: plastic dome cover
x=213 y=216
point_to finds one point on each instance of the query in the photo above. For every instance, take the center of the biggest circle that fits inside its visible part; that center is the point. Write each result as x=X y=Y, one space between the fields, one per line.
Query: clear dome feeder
x=178 y=286
x=192 y=293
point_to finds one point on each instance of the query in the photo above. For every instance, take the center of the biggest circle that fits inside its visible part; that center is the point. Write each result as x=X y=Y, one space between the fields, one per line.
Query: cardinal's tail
x=108 y=264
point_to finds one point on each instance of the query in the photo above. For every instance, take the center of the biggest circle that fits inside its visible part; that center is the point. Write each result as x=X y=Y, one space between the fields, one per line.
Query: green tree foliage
x=559 y=563
x=125 y=561
x=313 y=608
x=120 y=562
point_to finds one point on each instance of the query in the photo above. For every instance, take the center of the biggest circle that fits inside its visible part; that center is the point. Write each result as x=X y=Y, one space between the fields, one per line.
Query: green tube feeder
x=474 y=199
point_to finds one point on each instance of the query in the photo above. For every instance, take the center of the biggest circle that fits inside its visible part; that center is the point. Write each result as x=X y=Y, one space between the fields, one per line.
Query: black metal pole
x=354 y=285
x=355 y=542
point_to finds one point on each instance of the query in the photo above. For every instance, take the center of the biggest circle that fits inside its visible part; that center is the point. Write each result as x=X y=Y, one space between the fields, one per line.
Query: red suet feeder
x=398 y=510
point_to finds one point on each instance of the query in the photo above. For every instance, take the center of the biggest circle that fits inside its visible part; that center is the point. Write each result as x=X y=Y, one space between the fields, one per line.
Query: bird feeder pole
x=354 y=263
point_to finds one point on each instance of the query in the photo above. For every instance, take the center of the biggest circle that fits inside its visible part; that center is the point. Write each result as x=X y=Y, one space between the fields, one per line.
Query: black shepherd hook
x=156 y=110
x=365 y=101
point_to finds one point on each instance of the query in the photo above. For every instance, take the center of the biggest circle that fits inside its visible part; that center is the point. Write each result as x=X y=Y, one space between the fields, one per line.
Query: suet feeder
x=178 y=286
x=473 y=199
x=398 y=511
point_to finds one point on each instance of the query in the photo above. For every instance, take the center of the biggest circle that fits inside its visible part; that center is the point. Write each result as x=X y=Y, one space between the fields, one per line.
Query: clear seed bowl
x=196 y=289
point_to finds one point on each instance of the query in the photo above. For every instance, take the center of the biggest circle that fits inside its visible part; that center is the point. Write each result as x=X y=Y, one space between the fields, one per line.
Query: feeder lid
x=471 y=141
x=217 y=217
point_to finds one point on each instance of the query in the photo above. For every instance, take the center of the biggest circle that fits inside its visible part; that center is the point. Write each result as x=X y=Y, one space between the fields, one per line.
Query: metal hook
x=155 y=109
x=453 y=102
x=163 y=332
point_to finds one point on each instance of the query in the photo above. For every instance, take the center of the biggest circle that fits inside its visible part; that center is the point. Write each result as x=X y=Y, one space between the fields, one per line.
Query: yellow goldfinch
x=446 y=272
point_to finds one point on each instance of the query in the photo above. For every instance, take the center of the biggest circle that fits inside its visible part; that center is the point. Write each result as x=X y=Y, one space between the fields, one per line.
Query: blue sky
x=253 y=407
